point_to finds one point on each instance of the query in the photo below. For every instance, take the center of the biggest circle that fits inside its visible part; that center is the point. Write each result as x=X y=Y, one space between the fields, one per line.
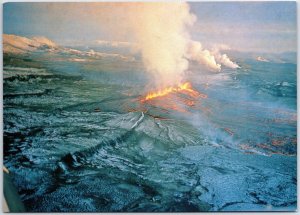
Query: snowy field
x=79 y=137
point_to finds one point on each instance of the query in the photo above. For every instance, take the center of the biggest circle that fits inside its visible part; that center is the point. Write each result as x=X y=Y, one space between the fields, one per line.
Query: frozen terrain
x=78 y=138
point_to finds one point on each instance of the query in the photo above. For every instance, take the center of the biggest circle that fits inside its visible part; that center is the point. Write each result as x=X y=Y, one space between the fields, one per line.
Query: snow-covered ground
x=77 y=137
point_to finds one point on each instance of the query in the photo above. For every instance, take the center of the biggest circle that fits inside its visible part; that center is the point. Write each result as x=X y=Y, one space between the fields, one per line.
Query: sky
x=243 y=26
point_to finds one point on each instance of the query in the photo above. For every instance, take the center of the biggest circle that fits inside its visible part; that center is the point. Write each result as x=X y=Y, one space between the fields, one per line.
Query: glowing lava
x=183 y=88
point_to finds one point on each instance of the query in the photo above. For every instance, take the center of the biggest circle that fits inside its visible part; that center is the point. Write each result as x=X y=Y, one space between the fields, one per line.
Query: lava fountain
x=184 y=88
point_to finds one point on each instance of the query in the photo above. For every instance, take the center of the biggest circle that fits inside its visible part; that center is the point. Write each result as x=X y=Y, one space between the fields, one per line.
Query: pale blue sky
x=263 y=26
x=246 y=26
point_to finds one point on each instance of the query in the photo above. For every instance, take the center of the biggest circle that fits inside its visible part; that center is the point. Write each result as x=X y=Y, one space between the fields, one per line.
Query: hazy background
x=244 y=26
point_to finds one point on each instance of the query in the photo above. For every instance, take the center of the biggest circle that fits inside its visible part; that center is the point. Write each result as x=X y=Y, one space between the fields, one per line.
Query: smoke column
x=161 y=32
x=202 y=56
x=223 y=58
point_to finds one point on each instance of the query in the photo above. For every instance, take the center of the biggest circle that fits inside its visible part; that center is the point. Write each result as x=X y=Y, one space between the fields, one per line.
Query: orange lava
x=184 y=88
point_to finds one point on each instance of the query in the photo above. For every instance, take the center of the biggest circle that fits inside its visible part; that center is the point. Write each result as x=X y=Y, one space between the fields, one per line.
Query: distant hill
x=13 y=44
x=282 y=57
x=18 y=45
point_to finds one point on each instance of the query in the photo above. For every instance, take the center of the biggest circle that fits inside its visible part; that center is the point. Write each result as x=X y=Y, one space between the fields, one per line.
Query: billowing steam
x=223 y=58
x=159 y=31
x=202 y=56
x=211 y=59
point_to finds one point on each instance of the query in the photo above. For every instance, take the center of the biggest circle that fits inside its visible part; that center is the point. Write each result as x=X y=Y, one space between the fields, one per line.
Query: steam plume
x=160 y=30
x=223 y=58
x=202 y=56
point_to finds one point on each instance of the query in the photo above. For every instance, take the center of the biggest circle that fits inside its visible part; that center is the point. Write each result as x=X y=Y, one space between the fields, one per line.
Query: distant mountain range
x=18 y=45
x=265 y=57
x=13 y=44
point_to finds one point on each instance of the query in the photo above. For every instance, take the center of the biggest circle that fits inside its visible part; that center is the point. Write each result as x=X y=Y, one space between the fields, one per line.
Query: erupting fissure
x=185 y=87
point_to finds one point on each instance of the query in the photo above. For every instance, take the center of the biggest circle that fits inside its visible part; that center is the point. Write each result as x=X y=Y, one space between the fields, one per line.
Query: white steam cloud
x=211 y=59
x=160 y=31
x=223 y=58
x=202 y=56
